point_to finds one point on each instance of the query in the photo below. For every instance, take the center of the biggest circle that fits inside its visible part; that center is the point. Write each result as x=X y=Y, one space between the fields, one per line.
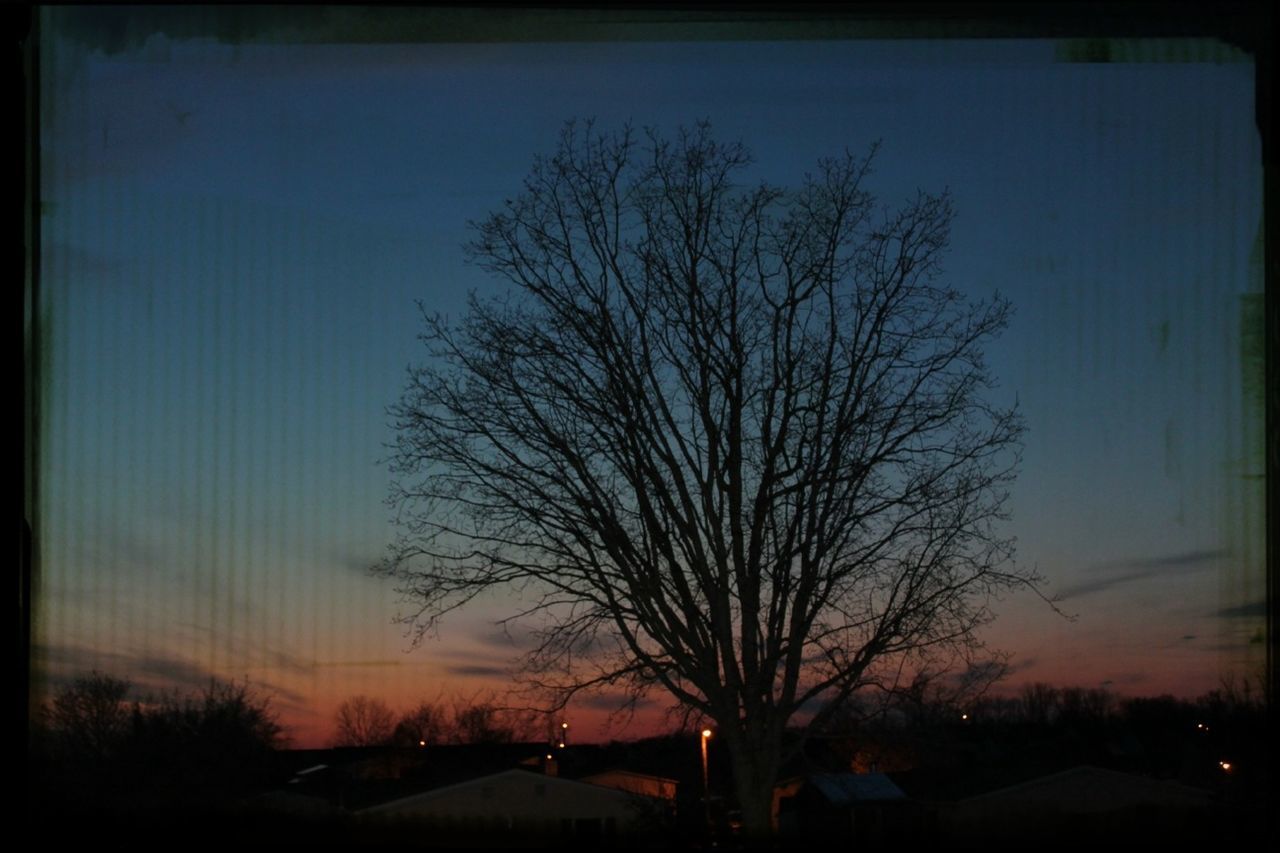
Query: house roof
x=449 y=790
x=1087 y=787
x=846 y=789
x=616 y=771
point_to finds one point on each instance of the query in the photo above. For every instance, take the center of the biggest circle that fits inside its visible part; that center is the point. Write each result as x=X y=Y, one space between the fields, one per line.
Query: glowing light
x=1225 y=765
x=964 y=716
x=422 y=743
x=706 y=778
x=564 y=725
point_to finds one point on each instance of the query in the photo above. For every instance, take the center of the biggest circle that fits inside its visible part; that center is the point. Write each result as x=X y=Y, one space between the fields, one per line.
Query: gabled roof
x=481 y=781
x=846 y=789
x=617 y=771
x=1096 y=787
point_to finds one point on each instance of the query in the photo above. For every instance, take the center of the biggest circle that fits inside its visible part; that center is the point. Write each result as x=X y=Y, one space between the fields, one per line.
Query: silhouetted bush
x=95 y=752
x=221 y=739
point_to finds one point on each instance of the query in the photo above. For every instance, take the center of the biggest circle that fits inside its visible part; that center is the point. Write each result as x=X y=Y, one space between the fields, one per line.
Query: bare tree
x=481 y=723
x=90 y=717
x=729 y=441
x=1085 y=706
x=363 y=721
x=1040 y=703
x=424 y=725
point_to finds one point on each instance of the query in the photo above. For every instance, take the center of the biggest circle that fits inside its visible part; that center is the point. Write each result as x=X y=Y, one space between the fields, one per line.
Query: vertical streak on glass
x=283 y=485
x=215 y=377
x=144 y=215
x=88 y=420
x=192 y=444
x=49 y=552
x=231 y=376
x=115 y=383
x=263 y=360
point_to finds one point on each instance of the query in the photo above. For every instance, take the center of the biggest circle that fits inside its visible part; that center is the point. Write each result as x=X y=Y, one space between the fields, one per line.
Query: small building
x=864 y=807
x=520 y=803
x=1082 y=800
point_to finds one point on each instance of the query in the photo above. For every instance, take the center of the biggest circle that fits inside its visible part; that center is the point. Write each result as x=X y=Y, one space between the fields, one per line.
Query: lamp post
x=706 y=787
x=564 y=734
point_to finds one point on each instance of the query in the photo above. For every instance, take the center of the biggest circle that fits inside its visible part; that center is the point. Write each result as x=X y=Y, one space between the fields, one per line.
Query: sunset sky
x=234 y=236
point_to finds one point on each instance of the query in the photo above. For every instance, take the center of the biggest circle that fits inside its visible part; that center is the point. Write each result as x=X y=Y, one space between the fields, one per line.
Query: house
x=864 y=807
x=658 y=787
x=1085 y=790
x=356 y=777
x=1082 y=800
x=525 y=804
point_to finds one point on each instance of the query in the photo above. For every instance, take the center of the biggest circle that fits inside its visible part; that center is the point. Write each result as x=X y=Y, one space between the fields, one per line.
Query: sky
x=234 y=237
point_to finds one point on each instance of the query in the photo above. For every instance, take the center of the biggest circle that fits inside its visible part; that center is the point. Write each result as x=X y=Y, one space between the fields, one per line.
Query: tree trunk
x=755 y=768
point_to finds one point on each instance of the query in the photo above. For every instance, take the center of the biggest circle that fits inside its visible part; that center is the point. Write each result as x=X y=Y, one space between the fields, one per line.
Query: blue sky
x=235 y=236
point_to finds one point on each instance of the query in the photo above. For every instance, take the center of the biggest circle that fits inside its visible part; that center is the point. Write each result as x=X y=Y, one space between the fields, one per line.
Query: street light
x=564 y=734
x=706 y=788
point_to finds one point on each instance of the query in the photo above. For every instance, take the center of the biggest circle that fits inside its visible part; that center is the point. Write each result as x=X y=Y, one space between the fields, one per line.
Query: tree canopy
x=722 y=438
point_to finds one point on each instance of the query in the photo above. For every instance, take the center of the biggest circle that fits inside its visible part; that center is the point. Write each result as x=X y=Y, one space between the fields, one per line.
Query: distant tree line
x=1044 y=724
x=933 y=700
x=1048 y=705
x=367 y=721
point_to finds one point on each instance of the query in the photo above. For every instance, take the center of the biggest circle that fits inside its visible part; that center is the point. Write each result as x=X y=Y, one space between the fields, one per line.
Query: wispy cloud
x=60 y=664
x=174 y=671
x=1252 y=610
x=612 y=702
x=359 y=663
x=252 y=652
x=1187 y=558
x=980 y=671
x=357 y=563
x=1100 y=584
x=477 y=671
x=1233 y=647
x=484 y=652
x=1118 y=572
x=508 y=637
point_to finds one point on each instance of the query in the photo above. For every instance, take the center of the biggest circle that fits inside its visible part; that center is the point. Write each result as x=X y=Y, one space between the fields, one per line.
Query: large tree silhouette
x=723 y=439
